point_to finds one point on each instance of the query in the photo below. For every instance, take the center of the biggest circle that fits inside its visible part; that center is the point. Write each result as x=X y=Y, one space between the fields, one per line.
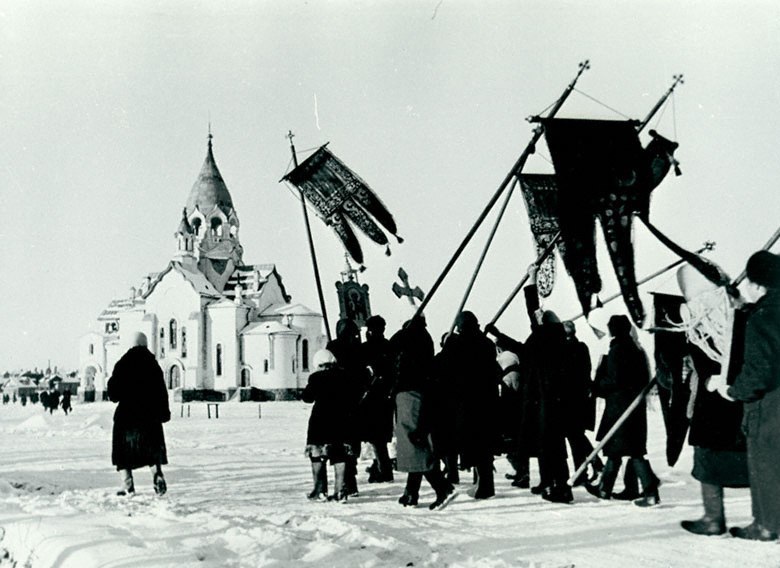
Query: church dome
x=209 y=190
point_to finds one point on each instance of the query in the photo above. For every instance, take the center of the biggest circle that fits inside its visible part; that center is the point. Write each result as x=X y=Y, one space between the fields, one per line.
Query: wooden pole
x=516 y=169
x=706 y=247
x=484 y=253
x=623 y=417
x=311 y=245
x=678 y=79
x=538 y=262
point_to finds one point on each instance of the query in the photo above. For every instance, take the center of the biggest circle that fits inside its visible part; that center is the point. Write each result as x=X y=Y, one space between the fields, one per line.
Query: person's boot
x=714 y=521
x=608 y=476
x=630 y=485
x=160 y=487
x=558 y=493
x=485 y=483
x=650 y=483
x=319 y=473
x=754 y=531
x=412 y=490
x=451 y=467
x=340 y=492
x=350 y=477
x=127 y=483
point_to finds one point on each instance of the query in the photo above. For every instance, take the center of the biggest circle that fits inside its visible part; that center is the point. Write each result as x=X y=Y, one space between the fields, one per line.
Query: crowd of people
x=51 y=399
x=475 y=399
x=478 y=398
x=457 y=409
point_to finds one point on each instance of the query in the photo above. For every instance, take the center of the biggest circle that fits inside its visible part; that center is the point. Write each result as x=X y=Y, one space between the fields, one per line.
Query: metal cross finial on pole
x=678 y=80
x=290 y=137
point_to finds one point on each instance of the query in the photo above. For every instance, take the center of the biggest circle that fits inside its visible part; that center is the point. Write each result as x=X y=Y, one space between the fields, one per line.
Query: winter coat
x=621 y=376
x=469 y=363
x=331 y=419
x=579 y=406
x=758 y=386
x=414 y=450
x=412 y=362
x=138 y=386
x=376 y=410
x=543 y=378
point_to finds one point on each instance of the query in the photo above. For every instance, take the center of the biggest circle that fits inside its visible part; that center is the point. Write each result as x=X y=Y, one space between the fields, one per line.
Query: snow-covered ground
x=236 y=497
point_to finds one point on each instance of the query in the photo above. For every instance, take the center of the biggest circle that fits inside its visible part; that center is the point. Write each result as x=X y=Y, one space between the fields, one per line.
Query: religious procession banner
x=343 y=200
x=540 y=193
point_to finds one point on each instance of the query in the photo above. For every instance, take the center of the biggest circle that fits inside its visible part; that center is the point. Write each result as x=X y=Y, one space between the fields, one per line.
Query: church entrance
x=246 y=379
x=174 y=377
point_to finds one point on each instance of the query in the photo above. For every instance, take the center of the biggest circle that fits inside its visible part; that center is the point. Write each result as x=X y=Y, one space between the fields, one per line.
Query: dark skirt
x=725 y=468
x=138 y=446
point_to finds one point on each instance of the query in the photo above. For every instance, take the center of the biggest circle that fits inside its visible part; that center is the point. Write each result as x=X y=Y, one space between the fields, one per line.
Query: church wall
x=310 y=328
x=279 y=350
x=170 y=306
x=226 y=318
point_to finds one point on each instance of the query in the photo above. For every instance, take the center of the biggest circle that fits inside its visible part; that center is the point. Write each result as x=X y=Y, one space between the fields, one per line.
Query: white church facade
x=218 y=327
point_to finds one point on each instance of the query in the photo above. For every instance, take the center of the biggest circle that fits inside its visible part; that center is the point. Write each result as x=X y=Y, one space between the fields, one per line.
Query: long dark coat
x=543 y=378
x=376 y=410
x=622 y=374
x=138 y=386
x=720 y=449
x=579 y=406
x=331 y=417
x=469 y=363
x=758 y=385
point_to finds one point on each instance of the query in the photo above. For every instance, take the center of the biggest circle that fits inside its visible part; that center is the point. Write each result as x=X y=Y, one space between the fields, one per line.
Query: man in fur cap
x=758 y=386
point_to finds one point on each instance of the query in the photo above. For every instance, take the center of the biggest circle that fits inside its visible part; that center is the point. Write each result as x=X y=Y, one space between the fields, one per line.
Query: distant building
x=214 y=323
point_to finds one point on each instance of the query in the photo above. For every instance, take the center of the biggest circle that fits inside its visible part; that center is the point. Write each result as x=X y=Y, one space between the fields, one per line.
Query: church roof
x=292 y=309
x=252 y=278
x=196 y=278
x=209 y=190
x=184 y=227
x=267 y=328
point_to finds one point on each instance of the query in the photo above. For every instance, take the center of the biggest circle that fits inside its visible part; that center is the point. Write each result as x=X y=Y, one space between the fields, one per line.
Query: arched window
x=219 y=359
x=305 y=355
x=245 y=377
x=183 y=341
x=196 y=225
x=162 y=342
x=91 y=348
x=172 y=333
x=265 y=365
x=216 y=226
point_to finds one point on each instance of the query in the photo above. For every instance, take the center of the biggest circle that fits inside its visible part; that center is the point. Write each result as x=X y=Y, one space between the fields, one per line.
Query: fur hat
x=763 y=268
x=323 y=357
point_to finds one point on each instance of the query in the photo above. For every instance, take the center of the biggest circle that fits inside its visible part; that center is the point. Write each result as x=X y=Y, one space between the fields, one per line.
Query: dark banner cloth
x=342 y=199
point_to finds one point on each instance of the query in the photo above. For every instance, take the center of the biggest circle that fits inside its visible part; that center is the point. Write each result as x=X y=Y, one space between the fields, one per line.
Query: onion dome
x=209 y=190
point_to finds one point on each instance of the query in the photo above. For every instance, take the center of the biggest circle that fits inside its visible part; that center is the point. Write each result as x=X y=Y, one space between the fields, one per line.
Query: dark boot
x=558 y=492
x=604 y=489
x=753 y=531
x=451 y=468
x=485 y=484
x=630 y=485
x=649 y=482
x=350 y=477
x=714 y=521
x=412 y=490
x=384 y=470
x=319 y=473
x=160 y=487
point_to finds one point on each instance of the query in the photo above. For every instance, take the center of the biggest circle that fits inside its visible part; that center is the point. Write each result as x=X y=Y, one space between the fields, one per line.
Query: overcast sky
x=104 y=110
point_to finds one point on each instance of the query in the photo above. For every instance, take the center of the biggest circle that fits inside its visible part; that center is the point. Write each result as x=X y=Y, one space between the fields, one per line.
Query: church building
x=213 y=322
